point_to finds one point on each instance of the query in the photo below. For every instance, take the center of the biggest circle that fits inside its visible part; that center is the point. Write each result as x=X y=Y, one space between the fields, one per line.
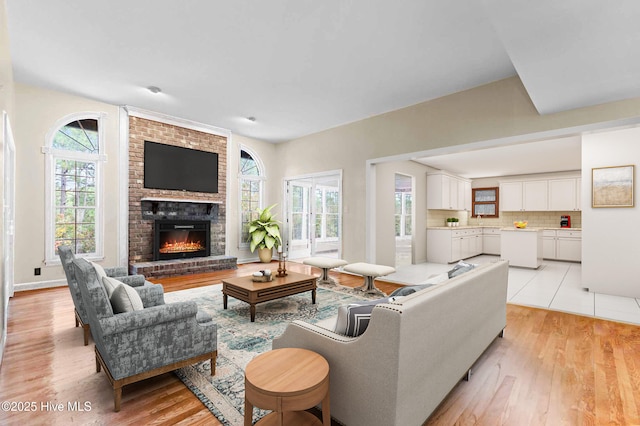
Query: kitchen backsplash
x=535 y=219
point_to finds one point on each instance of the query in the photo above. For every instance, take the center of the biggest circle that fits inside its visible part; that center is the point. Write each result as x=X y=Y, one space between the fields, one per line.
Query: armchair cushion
x=125 y=299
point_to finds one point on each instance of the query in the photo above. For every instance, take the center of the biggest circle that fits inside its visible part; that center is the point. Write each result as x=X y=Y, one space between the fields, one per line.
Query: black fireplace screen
x=181 y=239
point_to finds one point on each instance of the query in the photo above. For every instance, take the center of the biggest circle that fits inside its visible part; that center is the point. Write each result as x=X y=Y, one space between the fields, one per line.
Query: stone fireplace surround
x=146 y=205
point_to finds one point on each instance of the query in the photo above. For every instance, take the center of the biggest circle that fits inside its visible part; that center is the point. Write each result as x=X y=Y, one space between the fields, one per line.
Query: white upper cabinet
x=536 y=196
x=448 y=192
x=524 y=196
x=564 y=194
x=511 y=196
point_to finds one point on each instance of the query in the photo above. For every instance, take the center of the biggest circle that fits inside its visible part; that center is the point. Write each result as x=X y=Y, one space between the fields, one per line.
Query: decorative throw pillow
x=99 y=270
x=110 y=284
x=353 y=319
x=460 y=268
x=409 y=289
x=125 y=299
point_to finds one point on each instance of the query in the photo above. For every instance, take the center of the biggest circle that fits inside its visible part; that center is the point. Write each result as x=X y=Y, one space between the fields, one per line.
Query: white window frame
x=51 y=155
x=260 y=178
x=323 y=216
x=404 y=214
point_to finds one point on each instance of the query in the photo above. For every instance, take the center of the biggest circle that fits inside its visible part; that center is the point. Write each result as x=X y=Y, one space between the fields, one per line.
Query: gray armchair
x=133 y=346
x=67 y=256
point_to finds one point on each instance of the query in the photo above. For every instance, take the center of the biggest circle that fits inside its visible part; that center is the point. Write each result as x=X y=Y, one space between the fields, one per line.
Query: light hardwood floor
x=551 y=368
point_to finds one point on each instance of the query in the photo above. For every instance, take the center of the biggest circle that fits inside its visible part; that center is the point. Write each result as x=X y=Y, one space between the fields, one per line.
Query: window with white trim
x=73 y=186
x=251 y=178
x=327 y=213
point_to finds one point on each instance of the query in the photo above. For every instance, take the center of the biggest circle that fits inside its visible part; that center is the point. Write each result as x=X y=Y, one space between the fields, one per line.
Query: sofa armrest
x=116 y=271
x=132 y=280
x=151 y=294
x=128 y=321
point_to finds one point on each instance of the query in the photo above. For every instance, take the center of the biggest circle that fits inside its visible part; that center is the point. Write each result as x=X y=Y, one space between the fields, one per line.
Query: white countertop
x=506 y=228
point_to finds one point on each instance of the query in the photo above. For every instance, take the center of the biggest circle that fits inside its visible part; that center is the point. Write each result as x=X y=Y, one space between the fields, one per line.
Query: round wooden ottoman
x=287 y=381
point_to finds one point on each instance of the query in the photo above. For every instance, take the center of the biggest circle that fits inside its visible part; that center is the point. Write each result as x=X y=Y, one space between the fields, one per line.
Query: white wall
x=498 y=111
x=266 y=152
x=6 y=104
x=37 y=110
x=610 y=236
x=385 y=210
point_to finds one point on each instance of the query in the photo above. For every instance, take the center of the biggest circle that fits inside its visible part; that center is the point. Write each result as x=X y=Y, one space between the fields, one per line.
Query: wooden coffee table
x=245 y=289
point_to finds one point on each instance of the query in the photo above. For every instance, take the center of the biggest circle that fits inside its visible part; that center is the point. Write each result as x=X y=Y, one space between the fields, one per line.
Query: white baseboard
x=37 y=285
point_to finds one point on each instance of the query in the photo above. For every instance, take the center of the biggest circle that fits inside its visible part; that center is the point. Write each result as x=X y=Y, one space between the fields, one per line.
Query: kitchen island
x=521 y=247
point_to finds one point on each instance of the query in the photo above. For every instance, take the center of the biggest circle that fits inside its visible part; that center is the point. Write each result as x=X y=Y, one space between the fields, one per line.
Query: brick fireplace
x=149 y=206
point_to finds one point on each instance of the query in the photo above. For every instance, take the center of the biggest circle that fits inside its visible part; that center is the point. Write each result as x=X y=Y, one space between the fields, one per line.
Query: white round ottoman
x=370 y=272
x=325 y=263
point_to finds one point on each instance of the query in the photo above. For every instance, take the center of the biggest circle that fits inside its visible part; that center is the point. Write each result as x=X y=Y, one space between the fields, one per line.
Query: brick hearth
x=176 y=267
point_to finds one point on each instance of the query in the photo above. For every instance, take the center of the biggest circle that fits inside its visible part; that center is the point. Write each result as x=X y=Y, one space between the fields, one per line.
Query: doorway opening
x=404 y=219
x=313 y=212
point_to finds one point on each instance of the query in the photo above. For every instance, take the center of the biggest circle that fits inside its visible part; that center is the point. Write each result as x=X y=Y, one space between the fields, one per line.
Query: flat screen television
x=177 y=168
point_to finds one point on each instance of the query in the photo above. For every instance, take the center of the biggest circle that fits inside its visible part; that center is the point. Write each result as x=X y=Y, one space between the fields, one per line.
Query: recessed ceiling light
x=252 y=119
x=154 y=89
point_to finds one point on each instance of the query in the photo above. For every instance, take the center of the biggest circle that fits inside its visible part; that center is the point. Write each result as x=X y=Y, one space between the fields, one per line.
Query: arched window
x=251 y=177
x=73 y=186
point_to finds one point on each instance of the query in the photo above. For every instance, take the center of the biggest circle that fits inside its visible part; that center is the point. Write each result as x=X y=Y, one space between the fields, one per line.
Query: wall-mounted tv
x=182 y=169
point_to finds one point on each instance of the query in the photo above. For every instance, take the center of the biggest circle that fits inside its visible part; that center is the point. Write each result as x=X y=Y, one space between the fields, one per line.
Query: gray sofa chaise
x=413 y=352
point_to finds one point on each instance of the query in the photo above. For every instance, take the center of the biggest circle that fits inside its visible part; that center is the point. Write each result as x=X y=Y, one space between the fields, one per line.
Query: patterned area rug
x=240 y=340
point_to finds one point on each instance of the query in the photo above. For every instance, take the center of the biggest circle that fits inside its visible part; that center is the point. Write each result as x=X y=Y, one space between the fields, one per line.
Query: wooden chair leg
x=213 y=363
x=86 y=334
x=98 y=368
x=117 y=397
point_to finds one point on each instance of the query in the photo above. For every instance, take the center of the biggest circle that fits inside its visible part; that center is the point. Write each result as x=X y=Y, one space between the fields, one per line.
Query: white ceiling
x=302 y=66
x=553 y=155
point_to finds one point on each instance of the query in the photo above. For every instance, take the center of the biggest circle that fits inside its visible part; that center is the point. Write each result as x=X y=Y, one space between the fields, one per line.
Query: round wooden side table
x=287 y=381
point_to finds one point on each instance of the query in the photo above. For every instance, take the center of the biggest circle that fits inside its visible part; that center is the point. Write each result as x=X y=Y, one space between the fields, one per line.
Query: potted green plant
x=449 y=221
x=455 y=221
x=264 y=234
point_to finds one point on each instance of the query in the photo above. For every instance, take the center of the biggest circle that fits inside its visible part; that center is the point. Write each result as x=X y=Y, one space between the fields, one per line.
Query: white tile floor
x=554 y=285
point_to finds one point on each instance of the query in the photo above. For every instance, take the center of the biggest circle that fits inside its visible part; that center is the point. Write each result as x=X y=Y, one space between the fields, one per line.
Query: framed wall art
x=612 y=186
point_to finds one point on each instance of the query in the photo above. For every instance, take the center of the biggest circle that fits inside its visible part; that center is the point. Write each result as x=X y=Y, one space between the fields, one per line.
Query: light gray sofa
x=413 y=352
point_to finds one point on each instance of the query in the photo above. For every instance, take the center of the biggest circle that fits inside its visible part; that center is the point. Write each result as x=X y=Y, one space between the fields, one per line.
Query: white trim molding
x=51 y=257
x=123 y=188
x=176 y=121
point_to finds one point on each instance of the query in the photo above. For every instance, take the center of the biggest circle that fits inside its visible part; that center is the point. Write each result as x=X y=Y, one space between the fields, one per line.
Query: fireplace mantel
x=155 y=200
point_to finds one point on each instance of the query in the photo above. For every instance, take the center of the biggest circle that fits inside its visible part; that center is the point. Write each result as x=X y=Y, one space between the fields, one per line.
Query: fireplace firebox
x=181 y=239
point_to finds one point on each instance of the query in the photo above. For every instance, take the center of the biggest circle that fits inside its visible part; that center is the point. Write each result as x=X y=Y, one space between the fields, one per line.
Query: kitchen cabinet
x=562 y=244
x=491 y=241
x=564 y=194
x=451 y=245
x=549 y=244
x=448 y=192
x=521 y=247
x=524 y=196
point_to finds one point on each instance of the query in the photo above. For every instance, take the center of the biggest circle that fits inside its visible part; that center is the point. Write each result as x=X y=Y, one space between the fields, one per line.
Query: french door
x=314 y=215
